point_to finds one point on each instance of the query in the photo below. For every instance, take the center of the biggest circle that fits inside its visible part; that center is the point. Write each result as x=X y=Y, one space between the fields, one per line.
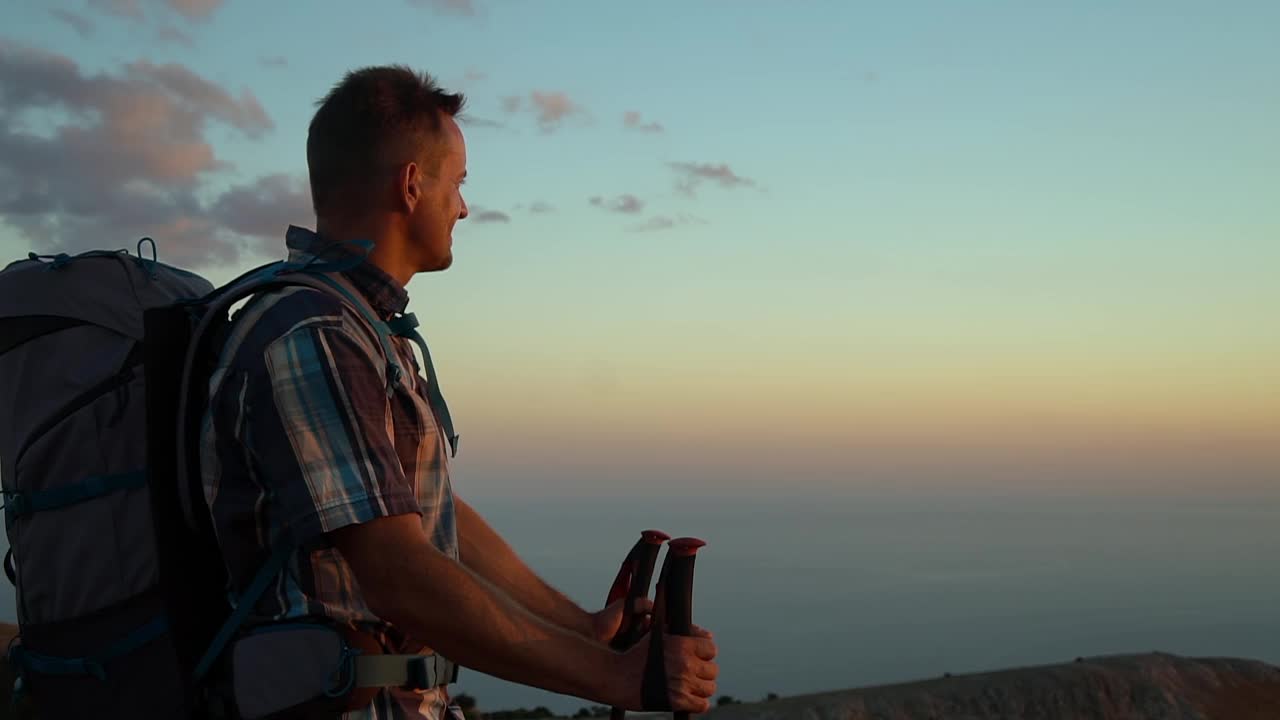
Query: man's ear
x=410 y=186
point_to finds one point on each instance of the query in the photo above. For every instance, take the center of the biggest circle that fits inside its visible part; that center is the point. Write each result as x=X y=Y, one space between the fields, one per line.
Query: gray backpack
x=124 y=608
x=73 y=459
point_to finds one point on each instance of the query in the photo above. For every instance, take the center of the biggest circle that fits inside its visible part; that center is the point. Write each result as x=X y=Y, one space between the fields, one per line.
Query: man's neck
x=388 y=254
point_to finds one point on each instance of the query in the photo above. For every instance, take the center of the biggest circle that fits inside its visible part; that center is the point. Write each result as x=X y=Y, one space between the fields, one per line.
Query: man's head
x=385 y=154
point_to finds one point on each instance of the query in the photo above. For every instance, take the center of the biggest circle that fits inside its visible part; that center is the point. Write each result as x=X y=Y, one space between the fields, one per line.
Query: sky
x=819 y=248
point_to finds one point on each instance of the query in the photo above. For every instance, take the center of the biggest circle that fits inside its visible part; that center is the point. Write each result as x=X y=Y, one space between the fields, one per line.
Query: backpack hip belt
x=284 y=668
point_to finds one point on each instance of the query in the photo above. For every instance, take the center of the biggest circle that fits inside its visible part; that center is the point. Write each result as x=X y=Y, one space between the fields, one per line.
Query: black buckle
x=417 y=671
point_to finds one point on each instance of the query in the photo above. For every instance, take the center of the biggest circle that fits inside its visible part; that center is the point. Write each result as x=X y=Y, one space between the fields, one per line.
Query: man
x=307 y=433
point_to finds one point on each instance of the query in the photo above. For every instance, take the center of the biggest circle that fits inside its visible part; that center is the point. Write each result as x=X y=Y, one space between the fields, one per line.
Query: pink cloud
x=125 y=158
x=549 y=107
x=192 y=10
x=195 y=9
x=244 y=113
x=632 y=119
x=465 y=8
x=552 y=108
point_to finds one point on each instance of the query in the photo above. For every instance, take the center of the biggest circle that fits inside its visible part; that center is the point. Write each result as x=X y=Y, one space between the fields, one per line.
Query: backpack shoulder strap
x=335 y=284
x=403 y=326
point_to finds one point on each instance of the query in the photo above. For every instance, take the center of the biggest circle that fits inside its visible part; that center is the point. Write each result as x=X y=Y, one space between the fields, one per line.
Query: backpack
x=82 y=554
x=122 y=594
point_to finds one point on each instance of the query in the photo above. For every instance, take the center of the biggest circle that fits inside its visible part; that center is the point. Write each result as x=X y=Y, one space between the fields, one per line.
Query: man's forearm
x=458 y=614
x=492 y=558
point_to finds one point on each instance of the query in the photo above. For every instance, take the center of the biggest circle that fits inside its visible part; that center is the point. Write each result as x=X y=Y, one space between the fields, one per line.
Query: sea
x=808 y=594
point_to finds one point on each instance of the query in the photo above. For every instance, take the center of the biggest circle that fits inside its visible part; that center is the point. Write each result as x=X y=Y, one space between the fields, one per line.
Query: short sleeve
x=323 y=433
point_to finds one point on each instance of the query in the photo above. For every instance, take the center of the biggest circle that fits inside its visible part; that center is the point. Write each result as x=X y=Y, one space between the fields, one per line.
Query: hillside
x=1129 y=687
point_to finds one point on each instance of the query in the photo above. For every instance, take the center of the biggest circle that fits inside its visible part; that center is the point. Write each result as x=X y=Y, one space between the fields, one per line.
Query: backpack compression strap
x=244 y=605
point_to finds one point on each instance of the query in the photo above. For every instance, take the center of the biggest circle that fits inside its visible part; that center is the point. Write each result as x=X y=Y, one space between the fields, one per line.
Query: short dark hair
x=374 y=118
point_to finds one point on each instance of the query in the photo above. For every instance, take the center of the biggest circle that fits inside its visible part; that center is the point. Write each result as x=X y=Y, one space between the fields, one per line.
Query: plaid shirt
x=302 y=435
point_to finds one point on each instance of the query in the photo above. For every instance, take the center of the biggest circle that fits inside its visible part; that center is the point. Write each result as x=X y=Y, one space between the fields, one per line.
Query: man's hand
x=691 y=672
x=607 y=622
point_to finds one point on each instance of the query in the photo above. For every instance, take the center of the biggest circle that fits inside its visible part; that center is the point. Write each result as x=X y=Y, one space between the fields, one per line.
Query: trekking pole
x=679 y=598
x=632 y=583
x=672 y=615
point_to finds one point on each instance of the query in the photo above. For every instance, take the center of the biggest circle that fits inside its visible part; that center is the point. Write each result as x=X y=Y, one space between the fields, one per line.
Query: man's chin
x=442 y=263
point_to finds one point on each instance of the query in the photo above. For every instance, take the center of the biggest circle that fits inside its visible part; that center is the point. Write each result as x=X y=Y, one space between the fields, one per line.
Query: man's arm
x=409 y=583
x=492 y=558
x=316 y=406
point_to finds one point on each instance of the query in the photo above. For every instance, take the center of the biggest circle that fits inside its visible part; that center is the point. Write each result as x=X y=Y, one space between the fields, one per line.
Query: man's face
x=441 y=204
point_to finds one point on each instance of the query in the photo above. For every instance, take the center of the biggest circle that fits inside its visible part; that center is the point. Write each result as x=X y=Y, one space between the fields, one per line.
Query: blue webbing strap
x=91 y=665
x=266 y=574
x=395 y=371
x=406 y=326
x=18 y=504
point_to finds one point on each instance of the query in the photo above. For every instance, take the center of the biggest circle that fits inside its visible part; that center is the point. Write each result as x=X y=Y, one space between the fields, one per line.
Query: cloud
x=197 y=10
x=116 y=156
x=274 y=61
x=549 y=107
x=245 y=114
x=192 y=10
x=82 y=25
x=263 y=208
x=536 y=208
x=694 y=174
x=466 y=8
x=666 y=222
x=657 y=222
x=631 y=119
x=474 y=75
x=481 y=215
x=472 y=121
x=552 y=107
x=173 y=34
x=629 y=204
x=129 y=9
